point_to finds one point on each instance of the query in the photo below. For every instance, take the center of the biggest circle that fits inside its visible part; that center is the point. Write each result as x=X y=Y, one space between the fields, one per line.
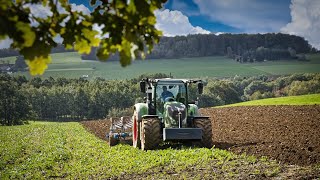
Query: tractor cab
x=171 y=102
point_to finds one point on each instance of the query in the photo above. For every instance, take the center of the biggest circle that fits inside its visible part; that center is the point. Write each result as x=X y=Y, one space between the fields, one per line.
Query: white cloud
x=37 y=11
x=174 y=23
x=80 y=8
x=40 y=11
x=305 y=21
x=5 y=43
x=246 y=15
x=218 y=33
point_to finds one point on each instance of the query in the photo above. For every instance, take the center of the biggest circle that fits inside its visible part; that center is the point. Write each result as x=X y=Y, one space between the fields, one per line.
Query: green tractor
x=168 y=116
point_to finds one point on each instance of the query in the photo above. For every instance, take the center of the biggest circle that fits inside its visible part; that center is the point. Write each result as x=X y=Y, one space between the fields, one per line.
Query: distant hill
x=12 y=52
x=242 y=47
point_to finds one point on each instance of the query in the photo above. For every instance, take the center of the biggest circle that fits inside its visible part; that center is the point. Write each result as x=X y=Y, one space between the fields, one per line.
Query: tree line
x=238 y=89
x=248 y=47
x=7 y=52
x=240 y=47
x=64 y=99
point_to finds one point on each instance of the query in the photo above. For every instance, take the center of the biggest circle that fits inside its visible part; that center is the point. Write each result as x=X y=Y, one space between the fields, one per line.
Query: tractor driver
x=165 y=94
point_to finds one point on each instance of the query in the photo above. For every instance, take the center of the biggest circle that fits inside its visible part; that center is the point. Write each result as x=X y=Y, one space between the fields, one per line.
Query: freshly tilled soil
x=101 y=128
x=289 y=134
x=98 y=127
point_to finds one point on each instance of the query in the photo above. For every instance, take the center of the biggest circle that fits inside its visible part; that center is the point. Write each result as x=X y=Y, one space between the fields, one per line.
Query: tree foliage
x=14 y=106
x=263 y=45
x=64 y=99
x=128 y=26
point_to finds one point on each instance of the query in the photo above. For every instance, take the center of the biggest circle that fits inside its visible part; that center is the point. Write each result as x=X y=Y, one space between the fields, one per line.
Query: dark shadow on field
x=183 y=145
x=127 y=141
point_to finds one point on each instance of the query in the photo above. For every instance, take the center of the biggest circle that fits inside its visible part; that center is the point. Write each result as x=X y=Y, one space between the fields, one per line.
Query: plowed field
x=289 y=134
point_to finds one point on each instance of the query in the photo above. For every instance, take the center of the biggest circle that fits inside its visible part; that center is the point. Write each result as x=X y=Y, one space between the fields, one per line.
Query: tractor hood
x=171 y=114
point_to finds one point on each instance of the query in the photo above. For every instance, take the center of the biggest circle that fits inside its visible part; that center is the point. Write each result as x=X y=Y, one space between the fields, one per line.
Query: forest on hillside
x=7 y=52
x=241 y=47
x=63 y=99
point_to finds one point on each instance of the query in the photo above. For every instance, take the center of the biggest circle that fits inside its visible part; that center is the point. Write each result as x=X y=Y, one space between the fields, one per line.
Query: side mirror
x=143 y=86
x=200 y=88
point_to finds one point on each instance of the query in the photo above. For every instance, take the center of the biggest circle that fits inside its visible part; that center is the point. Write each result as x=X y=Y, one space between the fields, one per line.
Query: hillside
x=70 y=65
x=311 y=99
x=250 y=47
x=200 y=45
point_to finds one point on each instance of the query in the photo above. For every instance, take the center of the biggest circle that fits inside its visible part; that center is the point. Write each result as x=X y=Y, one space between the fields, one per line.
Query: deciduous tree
x=128 y=27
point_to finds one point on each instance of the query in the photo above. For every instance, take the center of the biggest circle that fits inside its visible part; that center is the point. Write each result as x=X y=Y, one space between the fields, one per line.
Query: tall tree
x=14 y=107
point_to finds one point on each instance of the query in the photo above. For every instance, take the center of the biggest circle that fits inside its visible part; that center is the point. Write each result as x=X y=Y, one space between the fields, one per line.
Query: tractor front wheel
x=150 y=134
x=113 y=141
x=205 y=125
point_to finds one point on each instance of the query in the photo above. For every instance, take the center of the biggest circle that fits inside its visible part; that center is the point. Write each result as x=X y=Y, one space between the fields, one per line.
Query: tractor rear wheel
x=150 y=134
x=205 y=125
x=135 y=131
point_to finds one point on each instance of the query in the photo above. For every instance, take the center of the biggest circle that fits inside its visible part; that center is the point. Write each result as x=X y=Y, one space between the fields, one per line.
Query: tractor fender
x=141 y=109
x=193 y=110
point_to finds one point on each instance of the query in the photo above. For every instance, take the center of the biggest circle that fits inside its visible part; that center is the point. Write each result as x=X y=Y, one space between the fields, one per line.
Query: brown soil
x=98 y=127
x=289 y=134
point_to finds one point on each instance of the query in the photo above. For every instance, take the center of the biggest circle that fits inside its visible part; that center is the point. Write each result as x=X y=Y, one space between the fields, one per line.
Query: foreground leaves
x=127 y=27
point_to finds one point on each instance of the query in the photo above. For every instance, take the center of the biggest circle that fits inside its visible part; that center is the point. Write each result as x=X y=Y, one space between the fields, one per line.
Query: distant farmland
x=70 y=65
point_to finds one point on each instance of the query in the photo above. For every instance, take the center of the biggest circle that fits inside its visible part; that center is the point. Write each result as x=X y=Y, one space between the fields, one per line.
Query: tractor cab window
x=170 y=92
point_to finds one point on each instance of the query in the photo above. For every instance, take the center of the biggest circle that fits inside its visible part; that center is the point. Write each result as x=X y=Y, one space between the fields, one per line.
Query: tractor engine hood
x=172 y=111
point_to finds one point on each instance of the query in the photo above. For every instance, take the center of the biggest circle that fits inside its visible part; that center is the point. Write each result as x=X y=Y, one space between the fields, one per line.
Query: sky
x=183 y=17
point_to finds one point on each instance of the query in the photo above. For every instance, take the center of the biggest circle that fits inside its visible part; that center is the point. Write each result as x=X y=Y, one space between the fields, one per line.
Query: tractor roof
x=169 y=80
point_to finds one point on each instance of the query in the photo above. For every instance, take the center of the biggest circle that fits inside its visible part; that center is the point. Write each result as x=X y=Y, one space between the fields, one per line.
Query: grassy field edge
x=310 y=99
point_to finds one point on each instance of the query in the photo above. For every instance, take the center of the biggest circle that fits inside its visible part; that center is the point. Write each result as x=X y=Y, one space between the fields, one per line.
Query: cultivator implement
x=120 y=129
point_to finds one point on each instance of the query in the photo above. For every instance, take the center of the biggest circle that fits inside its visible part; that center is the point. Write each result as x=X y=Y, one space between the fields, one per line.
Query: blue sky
x=272 y=9
x=178 y=17
x=276 y=10
x=183 y=17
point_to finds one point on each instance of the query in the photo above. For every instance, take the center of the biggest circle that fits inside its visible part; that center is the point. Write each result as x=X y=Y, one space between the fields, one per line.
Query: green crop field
x=70 y=65
x=311 y=99
x=42 y=150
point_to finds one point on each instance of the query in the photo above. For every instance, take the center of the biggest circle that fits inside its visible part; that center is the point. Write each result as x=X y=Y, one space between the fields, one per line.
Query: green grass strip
x=311 y=99
x=45 y=150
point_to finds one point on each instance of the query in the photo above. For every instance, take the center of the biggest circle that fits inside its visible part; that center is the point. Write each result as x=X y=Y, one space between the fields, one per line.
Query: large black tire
x=136 y=143
x=113 y=141
x=150 y=134
x=205 y=125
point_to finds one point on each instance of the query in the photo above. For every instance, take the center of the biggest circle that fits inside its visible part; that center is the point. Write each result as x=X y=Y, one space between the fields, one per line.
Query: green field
x=43 y=150
x=70 y=65
x=311 y=99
